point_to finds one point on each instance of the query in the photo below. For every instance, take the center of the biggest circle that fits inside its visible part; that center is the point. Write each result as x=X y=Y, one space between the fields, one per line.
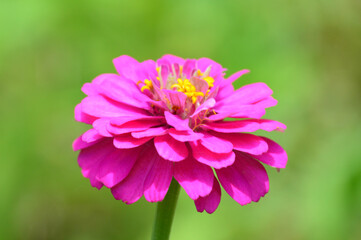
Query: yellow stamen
x=209 y=80
x=148 y=85
x=188 y=89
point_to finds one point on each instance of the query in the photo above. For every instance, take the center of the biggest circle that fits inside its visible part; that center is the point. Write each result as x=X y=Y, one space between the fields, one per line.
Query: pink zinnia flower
x=157 y=120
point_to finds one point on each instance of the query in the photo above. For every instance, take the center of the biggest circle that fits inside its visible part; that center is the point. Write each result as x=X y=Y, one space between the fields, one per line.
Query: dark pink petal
x=216 y=145
x=249 y=125
x=185 y=136
x=158 y=180
x=90 y=158
x=244 y=142
x=151 y=132
x=116 y=166
x=99 y=106
x=177 y=122
x=132 y=187
x=122 y=120
x=211 y=201
x=216 y=160
x=195 y=178
x=128 y=141
x=126 y=66
x=275 y=156
x=245 y=181
x=248 y=94
x=82 y=117
x=170 y=149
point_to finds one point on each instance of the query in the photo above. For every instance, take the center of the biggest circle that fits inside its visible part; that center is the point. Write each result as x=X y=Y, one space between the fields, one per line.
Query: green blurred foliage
x=308 y=52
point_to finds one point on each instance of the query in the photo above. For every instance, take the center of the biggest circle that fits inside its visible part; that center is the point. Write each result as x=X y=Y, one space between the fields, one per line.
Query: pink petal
x=216 y=160
x=188 y=67
x=249 y=94
x=158 y=180
x=244 y=142
x=82 y=117
x=210 y=202
x=79 y=144
x=216 y=145
x=127 y=141
x=177 y=99
x=151 y=132
x=177 y=122
x=275 y=156
x=249 y=125
x=91 y=136
x=99 y=106
x=184 y=136
x=245 y=181
x=170 y=149
x=204 y=106
x=116 y=166
x=132 y=187
x=101 y=126
x=126 y=66
x=235 y=76
x=266 y=103
x=236 y=110
x=133 y=126
x=195 y=178
x=173 y=59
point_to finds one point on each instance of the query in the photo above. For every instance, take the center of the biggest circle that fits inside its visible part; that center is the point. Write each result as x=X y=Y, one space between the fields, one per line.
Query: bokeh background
x=308 y=52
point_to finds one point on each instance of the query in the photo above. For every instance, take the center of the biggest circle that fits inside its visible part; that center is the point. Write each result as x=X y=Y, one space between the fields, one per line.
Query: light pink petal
x=128 y=141
x=266 y=103
x=170 y=149
x=99 y=106
x=147 y=70
x=126 y=66
x=195 y=178
x=216 y=160
x=224 y=91
x=236 y=110
x=185 y=136
x=249 y=125
x=173 y=59
x=245 y=181
x=132 y=187
x=235 y=76
x=177 y=122
x=158 y=180
x=244 y=142
x=177 y=99
x=122 y=120
x=133 y=126
x=116 y=166
x=215 y=144
x=151 y=132
x=79 y=144
x=101 y=126
x=189 y=67
x=209 y=103
x=275 y=156
x=248 y=94
x=82 y=117
x=125 y=92
x=204 y=63
x=91 y=136
x=210 y=202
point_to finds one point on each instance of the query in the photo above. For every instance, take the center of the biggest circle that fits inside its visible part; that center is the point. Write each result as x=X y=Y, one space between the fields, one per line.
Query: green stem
x=165 y=213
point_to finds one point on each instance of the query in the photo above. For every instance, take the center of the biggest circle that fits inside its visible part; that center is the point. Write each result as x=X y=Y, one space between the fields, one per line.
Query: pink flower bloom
x=157 y=120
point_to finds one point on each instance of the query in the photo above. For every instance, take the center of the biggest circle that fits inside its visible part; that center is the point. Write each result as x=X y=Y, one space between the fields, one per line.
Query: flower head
x=157 y=120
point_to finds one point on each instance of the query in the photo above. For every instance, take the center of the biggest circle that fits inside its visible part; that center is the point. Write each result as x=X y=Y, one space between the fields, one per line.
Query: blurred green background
x=308 y=52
